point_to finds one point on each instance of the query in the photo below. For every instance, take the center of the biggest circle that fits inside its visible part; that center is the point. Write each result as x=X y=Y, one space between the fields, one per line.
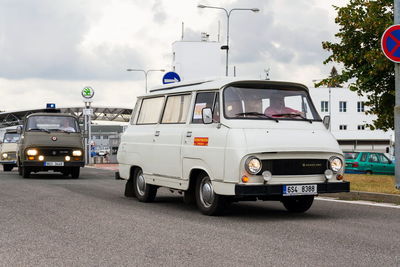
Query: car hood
x=289 y=140
x=53 y=139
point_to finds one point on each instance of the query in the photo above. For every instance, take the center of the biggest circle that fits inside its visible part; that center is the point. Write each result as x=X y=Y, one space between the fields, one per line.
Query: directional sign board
x=390 y=43
x=171 y=77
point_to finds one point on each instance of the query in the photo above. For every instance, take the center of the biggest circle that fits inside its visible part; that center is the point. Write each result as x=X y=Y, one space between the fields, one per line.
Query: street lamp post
x=228 y=15
x=146 y=72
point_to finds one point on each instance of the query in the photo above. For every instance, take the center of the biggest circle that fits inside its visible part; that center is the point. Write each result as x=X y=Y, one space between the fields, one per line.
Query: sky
x=51 y=49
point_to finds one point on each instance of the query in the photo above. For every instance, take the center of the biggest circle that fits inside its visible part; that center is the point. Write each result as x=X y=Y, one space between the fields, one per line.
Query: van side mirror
x=206 y=115
x=327 y=121
x=19 y=129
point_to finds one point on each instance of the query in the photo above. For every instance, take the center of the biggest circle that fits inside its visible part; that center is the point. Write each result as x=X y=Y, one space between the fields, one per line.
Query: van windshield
x=11 y=138
x=269 y=103
x=52 y=123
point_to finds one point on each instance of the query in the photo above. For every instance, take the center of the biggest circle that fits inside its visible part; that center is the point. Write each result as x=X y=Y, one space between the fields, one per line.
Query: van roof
x=50 y=114
x=216 y=83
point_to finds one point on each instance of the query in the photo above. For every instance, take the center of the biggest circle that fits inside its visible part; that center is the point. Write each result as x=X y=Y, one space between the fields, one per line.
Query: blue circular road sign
x=171 y=77
x=390 y=43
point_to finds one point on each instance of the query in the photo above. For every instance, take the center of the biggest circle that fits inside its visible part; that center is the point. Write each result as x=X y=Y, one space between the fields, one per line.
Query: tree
x=370 y=73
x=333 y=82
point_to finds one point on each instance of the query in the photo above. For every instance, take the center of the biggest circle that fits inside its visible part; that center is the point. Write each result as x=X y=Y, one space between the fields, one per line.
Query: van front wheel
x=298 y=204
x=207 y=201
x=143 y=191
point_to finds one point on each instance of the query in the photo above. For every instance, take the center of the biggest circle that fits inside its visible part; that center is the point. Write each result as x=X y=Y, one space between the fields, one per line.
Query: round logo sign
x=390 y=43
x=54 y=138
x=88 y=92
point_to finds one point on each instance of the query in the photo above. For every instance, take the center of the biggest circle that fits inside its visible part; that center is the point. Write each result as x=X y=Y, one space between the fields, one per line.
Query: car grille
x=294 y=166
x=55 y=152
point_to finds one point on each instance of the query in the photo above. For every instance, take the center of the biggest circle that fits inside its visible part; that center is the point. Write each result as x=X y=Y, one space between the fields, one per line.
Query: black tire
x=298 y=204
x=207 y=201
x=75 y=171
x=7 y=167
x=189 y=197
x=129 y=188
x=143 y=191
x=368 y=172
x=20 y=170
x=26 y=172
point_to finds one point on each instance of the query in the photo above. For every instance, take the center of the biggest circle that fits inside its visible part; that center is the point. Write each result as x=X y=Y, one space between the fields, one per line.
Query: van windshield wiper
x=39 y=129
x=258 y=114
x=293 y=115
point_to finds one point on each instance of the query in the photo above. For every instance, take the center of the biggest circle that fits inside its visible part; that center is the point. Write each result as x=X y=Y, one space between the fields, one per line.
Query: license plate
x=53 y=163
x=298 y=190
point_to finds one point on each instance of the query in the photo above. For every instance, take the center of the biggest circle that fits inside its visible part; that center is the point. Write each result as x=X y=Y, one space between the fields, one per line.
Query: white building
x=348 y=119
x=195 y=60
x=202 y=59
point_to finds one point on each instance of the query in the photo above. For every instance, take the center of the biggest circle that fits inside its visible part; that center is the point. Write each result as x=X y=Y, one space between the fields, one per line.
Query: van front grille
x=55 y=152
x=294 y=166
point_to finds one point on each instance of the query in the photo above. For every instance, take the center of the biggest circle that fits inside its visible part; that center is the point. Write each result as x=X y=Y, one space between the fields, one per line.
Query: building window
x=343 y=127
x=361 y=127
x=342 y=106
x=105 y=136
x=324 y=106
x=360 y=106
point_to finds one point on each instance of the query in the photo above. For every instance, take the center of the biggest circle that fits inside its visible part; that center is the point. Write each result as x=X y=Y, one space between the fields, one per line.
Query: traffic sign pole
x=397 y=103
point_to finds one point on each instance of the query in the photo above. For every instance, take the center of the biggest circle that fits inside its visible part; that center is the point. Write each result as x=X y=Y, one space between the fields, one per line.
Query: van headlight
x=32 y=152
x=77 y=153
x=253 y=165
x=5 y=155
x=336 y=164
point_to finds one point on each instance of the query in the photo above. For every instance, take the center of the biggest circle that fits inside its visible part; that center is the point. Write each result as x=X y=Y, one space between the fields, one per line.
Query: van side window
x=216 y=109
x=203 y=100
x=150 y=110
x=176 y=109
x=134 y=113
x=364 y=157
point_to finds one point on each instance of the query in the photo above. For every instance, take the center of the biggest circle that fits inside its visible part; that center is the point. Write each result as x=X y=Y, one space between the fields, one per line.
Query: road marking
x=360 y=202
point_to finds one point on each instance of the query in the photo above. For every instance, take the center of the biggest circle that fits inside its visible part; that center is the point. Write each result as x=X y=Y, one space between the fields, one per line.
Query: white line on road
x=360 y=202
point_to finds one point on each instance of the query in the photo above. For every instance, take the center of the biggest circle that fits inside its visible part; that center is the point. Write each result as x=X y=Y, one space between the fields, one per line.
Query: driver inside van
x=66 y=126
x=277 y=107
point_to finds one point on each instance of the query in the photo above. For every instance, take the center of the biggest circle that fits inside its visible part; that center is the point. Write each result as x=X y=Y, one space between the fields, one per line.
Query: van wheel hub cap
x=206 y=192
x=141 y=184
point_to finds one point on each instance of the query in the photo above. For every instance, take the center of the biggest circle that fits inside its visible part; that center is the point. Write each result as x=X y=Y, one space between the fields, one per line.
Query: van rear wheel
x=298 y=204
x=207 y=201
x=143 y=191
x=75 y=171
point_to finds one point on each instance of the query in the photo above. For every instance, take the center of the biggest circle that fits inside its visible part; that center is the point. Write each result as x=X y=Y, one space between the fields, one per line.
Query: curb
x=357 y=195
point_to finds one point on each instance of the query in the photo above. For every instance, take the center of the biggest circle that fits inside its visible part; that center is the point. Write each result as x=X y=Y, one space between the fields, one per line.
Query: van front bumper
x=8 y=162
x=42 y=164
x=277 y=190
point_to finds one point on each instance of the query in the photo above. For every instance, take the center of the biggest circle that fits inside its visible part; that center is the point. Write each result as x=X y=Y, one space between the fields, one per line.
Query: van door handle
x=189 y=134
x=157 y=133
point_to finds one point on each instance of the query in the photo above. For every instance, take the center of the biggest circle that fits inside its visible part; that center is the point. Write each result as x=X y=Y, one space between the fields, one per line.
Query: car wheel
x=129 y=188
x=26 y=172
x=75 y=171
x=7 y=168
x=298 y=204
x=143 y=191
x=208 y=202
x=368 y=172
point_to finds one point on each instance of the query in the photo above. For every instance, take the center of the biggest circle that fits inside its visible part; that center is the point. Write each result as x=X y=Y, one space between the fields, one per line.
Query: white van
x=228 y=140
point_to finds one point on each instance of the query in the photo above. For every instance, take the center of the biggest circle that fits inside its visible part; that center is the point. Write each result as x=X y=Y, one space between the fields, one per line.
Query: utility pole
x=397 y=103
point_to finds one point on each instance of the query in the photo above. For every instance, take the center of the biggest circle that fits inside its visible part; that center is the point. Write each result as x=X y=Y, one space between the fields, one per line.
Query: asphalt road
x=48 y=220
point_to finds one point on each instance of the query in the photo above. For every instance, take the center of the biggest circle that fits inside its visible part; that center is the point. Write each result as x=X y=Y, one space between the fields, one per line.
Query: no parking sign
x=390 y=43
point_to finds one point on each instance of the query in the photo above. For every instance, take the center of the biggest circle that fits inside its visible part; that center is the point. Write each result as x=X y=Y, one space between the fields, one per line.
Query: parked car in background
x=368 y=162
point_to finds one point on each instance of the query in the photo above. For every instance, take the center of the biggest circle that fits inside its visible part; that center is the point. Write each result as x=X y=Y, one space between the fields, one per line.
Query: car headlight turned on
x=336 y=164
x=77 y=153
x=5 y=155
x=32 y=152
x=253 y=165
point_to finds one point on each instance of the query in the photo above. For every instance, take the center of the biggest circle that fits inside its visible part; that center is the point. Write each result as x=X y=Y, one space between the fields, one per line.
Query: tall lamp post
x=146 y=72
x=329 y=104
x=228 y=15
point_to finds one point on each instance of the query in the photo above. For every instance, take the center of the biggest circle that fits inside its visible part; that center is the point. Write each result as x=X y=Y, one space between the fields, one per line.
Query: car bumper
x=8 y=162
x=42 y=164
x=277 y=190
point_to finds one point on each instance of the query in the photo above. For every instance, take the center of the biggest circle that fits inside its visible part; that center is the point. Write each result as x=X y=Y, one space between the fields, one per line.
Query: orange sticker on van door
x=201 y=141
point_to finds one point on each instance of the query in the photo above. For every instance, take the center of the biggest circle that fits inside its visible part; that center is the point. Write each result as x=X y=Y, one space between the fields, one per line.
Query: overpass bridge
x=13 y=118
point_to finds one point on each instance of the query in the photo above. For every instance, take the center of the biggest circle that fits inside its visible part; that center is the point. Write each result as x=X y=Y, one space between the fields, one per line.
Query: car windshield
x=351 y=155
x=269 y=103
x=53 y=123
x=11 y=138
